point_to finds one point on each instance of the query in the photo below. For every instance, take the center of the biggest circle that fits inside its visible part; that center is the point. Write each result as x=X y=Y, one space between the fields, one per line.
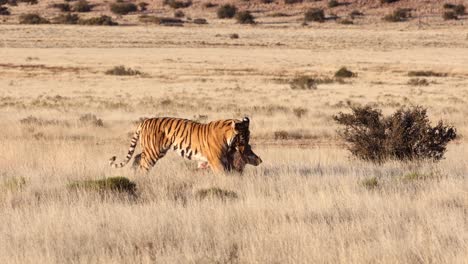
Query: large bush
x=405 y=135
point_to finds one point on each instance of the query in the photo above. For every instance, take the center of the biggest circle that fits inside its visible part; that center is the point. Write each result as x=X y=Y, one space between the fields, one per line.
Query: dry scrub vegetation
x=310 y=201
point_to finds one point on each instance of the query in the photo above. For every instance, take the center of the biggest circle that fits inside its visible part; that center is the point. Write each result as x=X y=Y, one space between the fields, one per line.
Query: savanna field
x=66 y=107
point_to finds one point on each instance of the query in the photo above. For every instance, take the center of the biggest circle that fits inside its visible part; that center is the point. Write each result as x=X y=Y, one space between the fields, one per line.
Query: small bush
x=122 y=71
x=177 y=4
x=333 y=3
x=90 y=120
x=210 y=5
x=82 y=6
x=418 y=82
x=449 y=6
x=405 y=135
x=4 y=11
x=399 y=15
x=450 y=15
x=112 y=184
x=179 y=14
x=459 y=10
x=216 y=192
x=98 y=21
x=299 y=112
x=143 y=6
x=32 y=19
x=160 y=20
x=315 y=14
x=388 y=1
x=355 y=13
x=226 y=11
x=234 y=36
x=291 y=2
x=346 y=22
x=426 y=74
x=343 y=72
x=370 y=183
x=245 y=17
x=123 y=8
x=303 y=82
x=64 y=7
x=267 y=1
x=67 y=19
x=200 y=21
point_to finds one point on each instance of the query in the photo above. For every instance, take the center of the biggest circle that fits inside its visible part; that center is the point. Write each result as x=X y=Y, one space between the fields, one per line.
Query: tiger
x=214 y=142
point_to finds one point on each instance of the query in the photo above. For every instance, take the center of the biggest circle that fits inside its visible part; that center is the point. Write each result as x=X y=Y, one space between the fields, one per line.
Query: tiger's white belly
x=191 y=155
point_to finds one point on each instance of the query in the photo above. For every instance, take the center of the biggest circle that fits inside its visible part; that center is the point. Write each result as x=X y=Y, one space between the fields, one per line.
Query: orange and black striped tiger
x=214 y=142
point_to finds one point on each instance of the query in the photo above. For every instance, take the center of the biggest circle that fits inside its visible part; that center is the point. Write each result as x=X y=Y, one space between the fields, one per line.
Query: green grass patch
x=216 y=193
x=111 y=184
x=370 y=183
x=13 y=184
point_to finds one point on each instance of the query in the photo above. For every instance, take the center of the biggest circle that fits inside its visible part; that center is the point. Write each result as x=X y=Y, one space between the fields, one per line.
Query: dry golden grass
x=309 y=202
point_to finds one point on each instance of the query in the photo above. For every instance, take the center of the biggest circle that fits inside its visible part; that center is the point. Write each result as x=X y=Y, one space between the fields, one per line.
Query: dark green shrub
x=245 y=17
x=82 y=6
x=226 y=11
x=450 y=15
x=122 y=71
x=215 y=193
x=343 y=72
x=315 y=14
x=112 y=184
x=405 y=135
x=32 y=19
x=399 y=15
x=68 y=19
x=123 y=8
x=98 y=21
x=64 y=7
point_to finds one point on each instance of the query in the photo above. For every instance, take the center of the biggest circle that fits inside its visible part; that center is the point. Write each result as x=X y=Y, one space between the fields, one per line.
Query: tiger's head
x=241 y=145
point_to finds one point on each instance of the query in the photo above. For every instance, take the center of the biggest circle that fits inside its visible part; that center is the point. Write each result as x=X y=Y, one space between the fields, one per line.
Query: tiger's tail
x=131 y=150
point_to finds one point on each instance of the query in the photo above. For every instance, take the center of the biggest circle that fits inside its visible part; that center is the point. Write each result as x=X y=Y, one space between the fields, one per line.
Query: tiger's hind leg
x=147 y=160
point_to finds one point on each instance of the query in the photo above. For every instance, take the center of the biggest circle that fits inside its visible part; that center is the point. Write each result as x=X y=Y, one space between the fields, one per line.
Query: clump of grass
x=405 y=135
x=13 y=184
x=345 y=22
x=226 y=11
x=82 y=6
x=291 y=2
x=279 y=14
x=456 y=9
x=416 y=176
x=303 y=82
x=68 y=19
x=333 y=3
x=314 y=14
x=90 y=120
x=450 y=15
x=177 y=4
x=64 y=7
x=343 y=72
x=245 y=17
x=234 y=36
x=179 y=13
x=216 y=193
x=122 y=71
x=209 y=5
x=32 y=19
x=123 y=8
x=418 y=82
x=111 y=184
x=399 y=15
x=426 y=74
x=299 y=112
x=370 y=183
x=98 y=21
x=160 y=20
x=295 y=134
x=200 y=21
x=35 y=121
x=388 y=1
